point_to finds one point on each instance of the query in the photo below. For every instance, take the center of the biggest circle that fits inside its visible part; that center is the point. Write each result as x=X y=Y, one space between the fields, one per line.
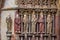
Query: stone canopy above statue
x=36 y=3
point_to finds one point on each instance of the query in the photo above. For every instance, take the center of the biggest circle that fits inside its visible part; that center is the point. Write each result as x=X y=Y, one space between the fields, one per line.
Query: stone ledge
x=6 y=9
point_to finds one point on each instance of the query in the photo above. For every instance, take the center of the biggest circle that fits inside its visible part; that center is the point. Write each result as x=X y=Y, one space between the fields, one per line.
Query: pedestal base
x=9 y=34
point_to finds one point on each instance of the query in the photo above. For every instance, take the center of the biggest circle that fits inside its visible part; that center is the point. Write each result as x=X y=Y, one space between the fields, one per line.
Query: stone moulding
x=36 y=9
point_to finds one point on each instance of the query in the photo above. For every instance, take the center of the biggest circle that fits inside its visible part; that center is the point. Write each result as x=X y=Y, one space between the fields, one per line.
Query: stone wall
x=4 y=14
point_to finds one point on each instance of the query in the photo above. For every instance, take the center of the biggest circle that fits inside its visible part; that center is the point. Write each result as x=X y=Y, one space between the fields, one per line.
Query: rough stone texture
x=11 y=4
x=4 y=14
x=4 y=25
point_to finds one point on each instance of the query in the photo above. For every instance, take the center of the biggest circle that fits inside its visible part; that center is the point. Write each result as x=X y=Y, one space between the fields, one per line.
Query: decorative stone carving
x=41 y=20
x=25 y=20
x=34 y=21
x=36 y=3
x=49 y=23
x=9 y=23
x=17 y=23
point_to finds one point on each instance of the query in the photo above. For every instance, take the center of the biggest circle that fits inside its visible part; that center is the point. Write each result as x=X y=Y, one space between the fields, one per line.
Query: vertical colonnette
x=57 y=25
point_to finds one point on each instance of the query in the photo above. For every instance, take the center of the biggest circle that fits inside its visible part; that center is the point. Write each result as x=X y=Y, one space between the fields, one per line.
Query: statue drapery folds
x=34 y=21
x=41 y=20
x=9 y=23
x=25 y=20
x=49 y=23
x=17 y=23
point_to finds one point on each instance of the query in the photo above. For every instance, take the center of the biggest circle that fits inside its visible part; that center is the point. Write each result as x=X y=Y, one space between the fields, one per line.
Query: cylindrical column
x=33 y=37
x=45 y=24
x=22 y=26
x=37 y=24
x=53 y=23
x=41 y=36
x=57 y=25
x=29 y=23
x=45 y=21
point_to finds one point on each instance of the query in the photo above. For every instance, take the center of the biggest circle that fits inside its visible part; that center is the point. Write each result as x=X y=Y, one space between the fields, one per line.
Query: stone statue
x=9 y=23
x=49 y=23
x=25 y=20
x=41 y=20
x=34 y=21
x=17 y=23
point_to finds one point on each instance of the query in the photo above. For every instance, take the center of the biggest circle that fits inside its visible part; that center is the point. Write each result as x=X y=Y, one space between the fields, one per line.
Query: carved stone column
x=53 y=22
x=57 y=25
x=29 y=22
x=37 y=29
x=45 y=21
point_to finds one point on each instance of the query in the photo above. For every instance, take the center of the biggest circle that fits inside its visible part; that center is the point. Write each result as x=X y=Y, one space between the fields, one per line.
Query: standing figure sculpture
x=49 y=23
x=34 y=21
x=9 y=23
x=41 y=20
x=25 y=20
x=17 y=23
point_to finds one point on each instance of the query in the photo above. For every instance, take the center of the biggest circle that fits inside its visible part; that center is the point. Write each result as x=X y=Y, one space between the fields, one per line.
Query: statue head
x=17 y=16
x=33 y=14
x=8 y=16
x=24 y=15
x=49 y=15
x=41 y=14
